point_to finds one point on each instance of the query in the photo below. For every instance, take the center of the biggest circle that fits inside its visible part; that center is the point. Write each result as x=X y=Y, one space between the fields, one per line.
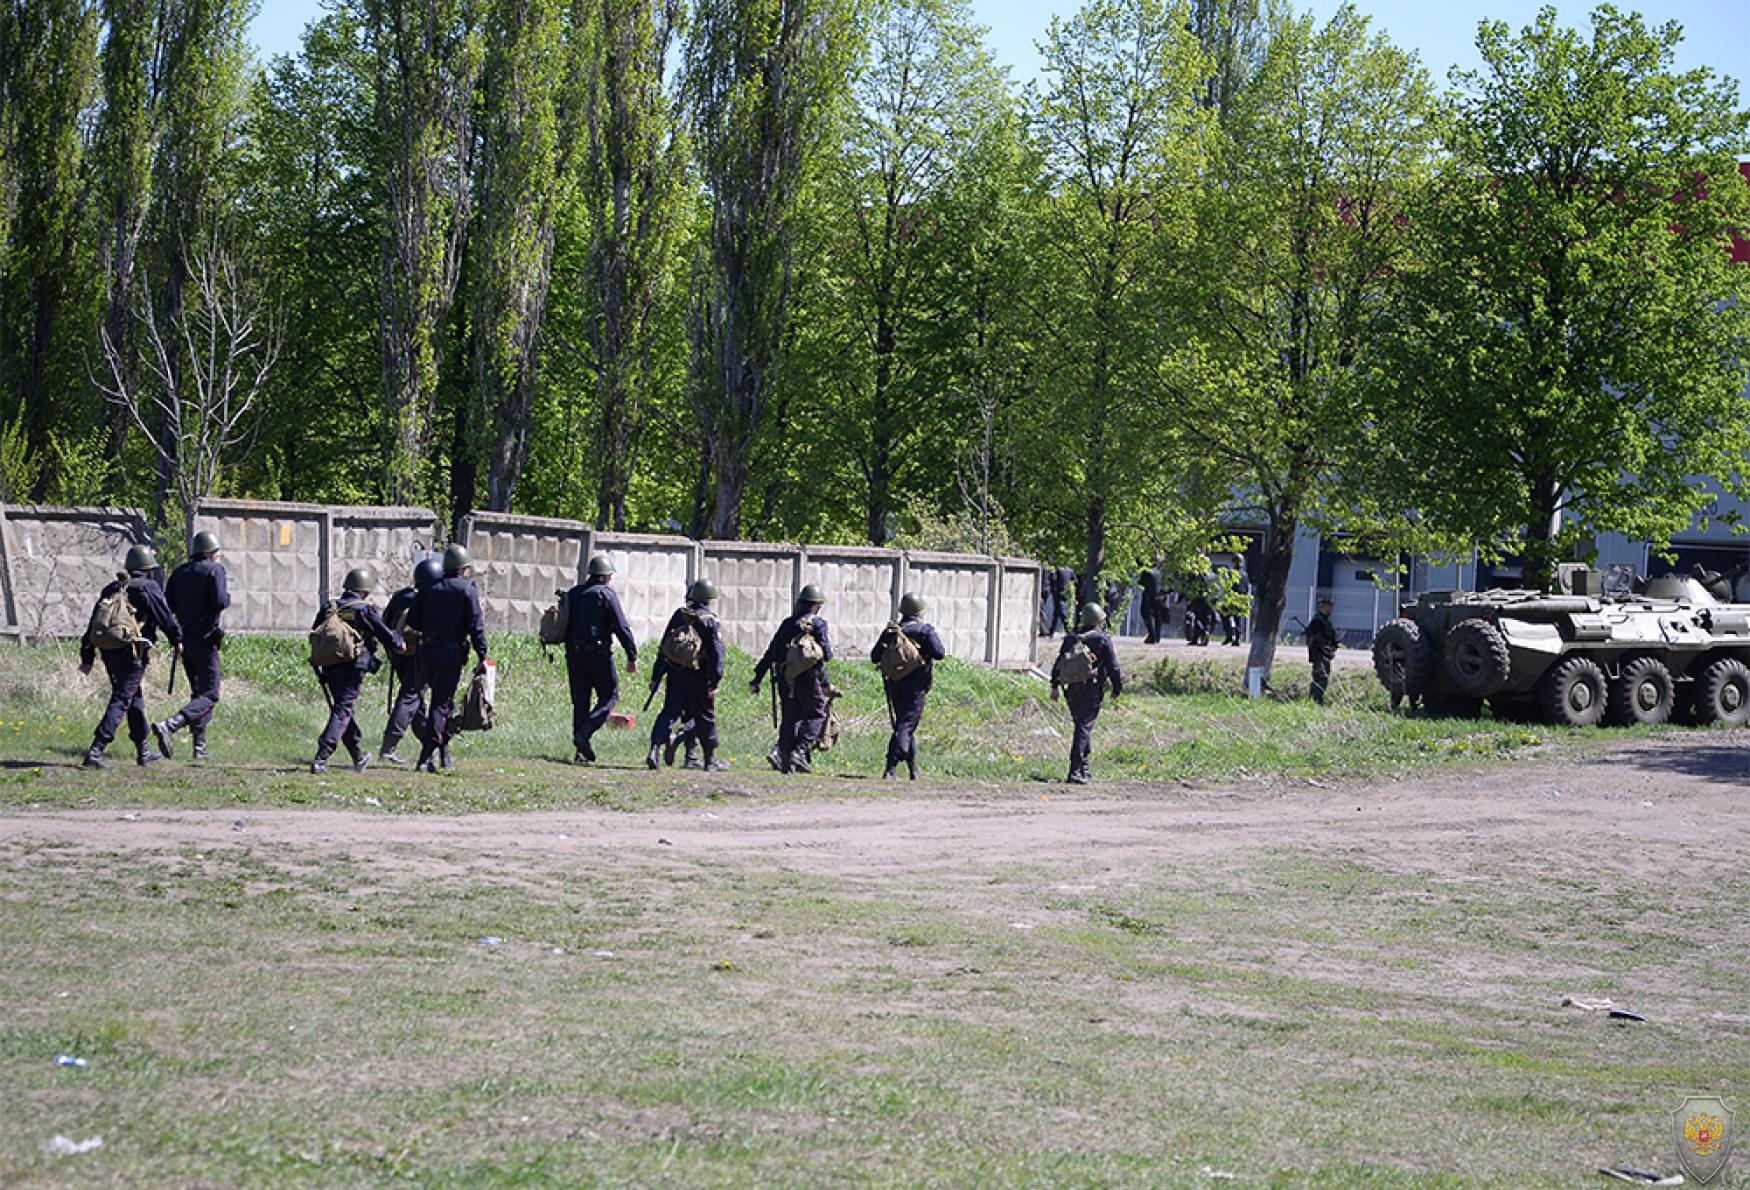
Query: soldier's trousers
x=443 y=669
x=408 y=711
x=907 y=701
x=1151 y=621
x=595 y=690
x=1321 y=674
x=1085 y=700
x=802 y=711
x=200 y=661
x=343 y=683
x=687 y=697
x=127 y=673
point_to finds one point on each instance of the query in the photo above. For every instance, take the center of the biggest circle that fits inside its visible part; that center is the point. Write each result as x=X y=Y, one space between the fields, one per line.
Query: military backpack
x=803 y=653
x=556 y=620
x=1077 y=664
x=902 y=657
x=114 y=623
x=682 y=644
x=334 y=641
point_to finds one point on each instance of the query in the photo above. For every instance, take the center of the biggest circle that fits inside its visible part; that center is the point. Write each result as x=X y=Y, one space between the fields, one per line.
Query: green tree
x=1232 y=35
x=1299 y=239
x=763 y=77
x=1121 y=134
x=1572 y=353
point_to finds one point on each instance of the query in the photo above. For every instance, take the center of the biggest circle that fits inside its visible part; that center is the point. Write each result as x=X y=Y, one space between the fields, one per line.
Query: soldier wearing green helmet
x=906 y=675
x=796 y=658
x=129 y=615
x=1085 y=664
x=594 y=620
x=691 y=659
x=199 y=596
x=448 y=619
x=343 y=681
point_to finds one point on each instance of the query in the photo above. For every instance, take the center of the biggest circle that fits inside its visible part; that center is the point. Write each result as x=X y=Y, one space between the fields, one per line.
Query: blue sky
x=1716 y=32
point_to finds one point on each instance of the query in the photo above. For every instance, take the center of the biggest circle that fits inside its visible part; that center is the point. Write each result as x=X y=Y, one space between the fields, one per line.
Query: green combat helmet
x=702 y=591
x=911 y=604
x=456 y=559
x=361 y=578
x=600 y=566
x=1093 y=615
x=204 y=543
x=810 y=594
x=140 y=557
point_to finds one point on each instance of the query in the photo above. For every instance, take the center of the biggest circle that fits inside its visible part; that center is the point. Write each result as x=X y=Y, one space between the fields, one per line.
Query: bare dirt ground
x=1634 y=811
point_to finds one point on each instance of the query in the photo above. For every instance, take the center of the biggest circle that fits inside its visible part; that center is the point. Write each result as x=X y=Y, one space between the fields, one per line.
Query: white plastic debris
x=492 y=940
x=371 y=801
x=1020 y=925
x=603 y=954
x=70 y=1060
x=1209 y=1171
x=63 y=1146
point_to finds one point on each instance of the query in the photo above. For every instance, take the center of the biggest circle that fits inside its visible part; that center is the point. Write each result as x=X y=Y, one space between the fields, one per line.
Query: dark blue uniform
x=407 y=712
x=345 y=680
x=1148 y=585
x=127 y=667
x=1321 y=648
x=691 y=693
x=447 y=617
x=1062 y=588
x=594 y=621
x=198 y=595
x=905 y=698
x=1085 y=698
x=802 y=703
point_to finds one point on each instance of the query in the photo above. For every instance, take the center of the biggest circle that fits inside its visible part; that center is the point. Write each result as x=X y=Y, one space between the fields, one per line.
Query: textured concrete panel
x=859 y=588
x=651 y=574
x=957 y=590
x=1019 y=633
x=57 y=560
x=519 y=564
x=391 y=541
x=272 y=554
x=755 y=589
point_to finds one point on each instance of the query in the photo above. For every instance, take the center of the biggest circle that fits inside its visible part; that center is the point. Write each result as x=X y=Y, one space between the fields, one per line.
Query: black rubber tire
x=1722 y=693
x=1573 y=692
x=1477 y=661
x=1642 y=692
x=1402 y=659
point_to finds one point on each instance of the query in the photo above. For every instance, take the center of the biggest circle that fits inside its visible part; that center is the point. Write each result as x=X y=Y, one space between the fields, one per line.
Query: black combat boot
x=386 y=753
x=145 y=754
x=911 y=763
x=198 y=738
x=712 y=764
x=586 y=753
x=424 y=764
x=692 y=760
x=319 y=765
x=887 y=773
x=94 y=758
x=443 y=758
x=163 y=731
x=672 y=745
x=776 y=759
x=361 y=760
x=653 y=760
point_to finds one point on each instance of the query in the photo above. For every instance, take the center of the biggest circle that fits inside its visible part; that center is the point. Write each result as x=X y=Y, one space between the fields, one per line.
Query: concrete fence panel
x=862 y=590
x=756 y=587
x=275 y=557
x=56 y=560
x=520 y=561
x=652 y=574
x=391 y=541
x=961 y=593
x=1018 y=614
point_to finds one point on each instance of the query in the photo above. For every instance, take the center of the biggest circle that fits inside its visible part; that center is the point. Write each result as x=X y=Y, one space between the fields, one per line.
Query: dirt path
x=1638 y=811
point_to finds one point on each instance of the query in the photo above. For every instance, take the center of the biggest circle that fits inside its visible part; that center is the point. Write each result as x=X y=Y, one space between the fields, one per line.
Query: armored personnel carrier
x=1676 y=645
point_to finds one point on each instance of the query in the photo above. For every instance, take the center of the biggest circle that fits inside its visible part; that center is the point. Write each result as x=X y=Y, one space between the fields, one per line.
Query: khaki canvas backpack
x=802 y=654
x=902 y=658
x=682 y=644
x=1077 y=665
x=334 y=641
x=556 y=620
x=114 y=624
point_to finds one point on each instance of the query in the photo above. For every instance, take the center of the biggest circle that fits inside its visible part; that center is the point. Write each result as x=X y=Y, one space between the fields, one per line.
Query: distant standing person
x=1321 y=649
x=691 y=658
x=447 y=617
x=594 y=621
x=1063 y=590
x=1148 y=585
x=198 y=596
x=408 y=711
x=796 y=658
x=1085 y=665
x=1047 y=597
x=130 y=613
x=344 y=679
x=907 y=675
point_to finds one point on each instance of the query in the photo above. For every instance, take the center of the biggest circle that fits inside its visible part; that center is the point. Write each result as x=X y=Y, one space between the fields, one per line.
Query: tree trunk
x=729 y=481
x=1096 y=556
x=1540 y=556
x=1270 y=588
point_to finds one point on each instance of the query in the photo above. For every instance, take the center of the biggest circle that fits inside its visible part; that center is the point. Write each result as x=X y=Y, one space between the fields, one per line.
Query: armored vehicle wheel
x=1402 y=658
x=1476 y=658
x=1572 y=693
x=1643 y=692
x=1722 y=693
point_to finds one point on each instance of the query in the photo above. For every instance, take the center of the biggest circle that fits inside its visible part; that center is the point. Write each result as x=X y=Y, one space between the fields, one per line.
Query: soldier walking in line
x=907 y=670
x=1148 y=585
x=130 y=613
x=1321 y=648
x=446 y=615
x=594 y=620
x=407 y=712
x=691 y=658
x=1084 y=666
x=343 y=679
x=198 y=596
x=796 y=659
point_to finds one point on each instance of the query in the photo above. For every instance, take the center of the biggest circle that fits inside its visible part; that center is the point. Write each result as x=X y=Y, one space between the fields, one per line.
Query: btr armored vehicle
x=1676 y=645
